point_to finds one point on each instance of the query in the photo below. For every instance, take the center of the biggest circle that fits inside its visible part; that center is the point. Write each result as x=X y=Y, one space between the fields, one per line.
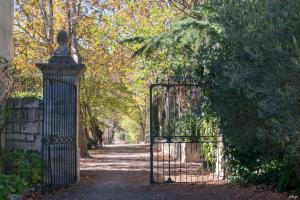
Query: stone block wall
x=189 y=152
x=24 y=127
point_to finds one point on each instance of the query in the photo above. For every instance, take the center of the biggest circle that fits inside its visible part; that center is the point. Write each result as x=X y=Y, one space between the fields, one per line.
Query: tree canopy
x=113 y=86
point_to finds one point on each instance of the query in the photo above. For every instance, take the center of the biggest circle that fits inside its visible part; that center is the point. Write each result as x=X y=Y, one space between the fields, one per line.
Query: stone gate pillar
x=6 y=31
x=6 y=28
x=61 y=77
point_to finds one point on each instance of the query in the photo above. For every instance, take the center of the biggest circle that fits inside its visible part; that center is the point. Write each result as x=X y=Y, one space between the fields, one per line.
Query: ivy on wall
x=4 y=81
x=6 y=87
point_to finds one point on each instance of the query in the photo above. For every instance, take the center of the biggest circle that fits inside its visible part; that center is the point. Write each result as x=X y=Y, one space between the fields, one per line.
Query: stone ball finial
x=62 y=37
x=62 y=40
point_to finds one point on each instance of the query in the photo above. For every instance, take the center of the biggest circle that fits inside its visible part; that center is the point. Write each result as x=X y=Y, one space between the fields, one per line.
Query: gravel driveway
x=121 y=172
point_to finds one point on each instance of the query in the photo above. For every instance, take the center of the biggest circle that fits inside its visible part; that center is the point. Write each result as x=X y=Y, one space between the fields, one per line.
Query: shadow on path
x=121 y=172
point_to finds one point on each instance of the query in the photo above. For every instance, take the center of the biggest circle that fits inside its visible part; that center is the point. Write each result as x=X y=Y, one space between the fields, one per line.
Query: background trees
x=114 y=86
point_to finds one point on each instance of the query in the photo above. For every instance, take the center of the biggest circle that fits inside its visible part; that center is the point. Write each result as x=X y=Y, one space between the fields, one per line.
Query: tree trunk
x=73 y=15
x=73 y=7
x=99 y=134
x=143 y=129
x=51 y=26
x=82 y=141
x=47 y=16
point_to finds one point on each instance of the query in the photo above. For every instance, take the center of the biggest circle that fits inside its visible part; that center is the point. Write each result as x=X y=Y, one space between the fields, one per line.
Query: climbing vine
x=6 y=87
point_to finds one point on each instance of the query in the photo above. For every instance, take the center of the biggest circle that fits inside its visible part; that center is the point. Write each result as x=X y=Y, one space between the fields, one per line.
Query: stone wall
x=184 y=152
x=192 y=153
x=24 y=127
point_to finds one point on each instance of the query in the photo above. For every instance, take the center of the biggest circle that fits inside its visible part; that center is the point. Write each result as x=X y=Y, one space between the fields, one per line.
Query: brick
x=30 y=127
x=24 y=145
x=31 y=115
x=17 y=116
x=39 y=114
x=31 y=103
x=15 y=136
x=16 y=128
x=38 y=143
x=30 y=138
x=40 y=128
x=9 y=128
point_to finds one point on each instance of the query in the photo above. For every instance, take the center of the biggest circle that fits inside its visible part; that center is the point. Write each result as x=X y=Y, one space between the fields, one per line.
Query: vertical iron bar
x=157 y=163
x=73 y=163
x=163 y=152
x=151 y=137
x=66 y=128
x=70 y=134
x=191 y=165
x=173 y=111
x=203 y=161
x=62 y=130
x=218 y=158
x=180 y=162
x=75 y=125
x=69 y=114
x=66 y=122
x=43 y=136
x=186 y=171
x=55 y=132
x=51 y=133
x=206 y=164
x=47 y=134
x=60 y=85
x=169 y=133
x=175 y=151
x=169 y=162
x=69 y=160
x=197 y=152
x=212 y=165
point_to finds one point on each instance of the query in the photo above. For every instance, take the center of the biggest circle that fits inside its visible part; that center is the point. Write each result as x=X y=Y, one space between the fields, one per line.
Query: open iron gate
x=59 y=150
x=182 y=148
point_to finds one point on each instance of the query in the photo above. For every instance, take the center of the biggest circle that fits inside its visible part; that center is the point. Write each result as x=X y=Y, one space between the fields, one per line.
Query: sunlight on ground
x=119 y=160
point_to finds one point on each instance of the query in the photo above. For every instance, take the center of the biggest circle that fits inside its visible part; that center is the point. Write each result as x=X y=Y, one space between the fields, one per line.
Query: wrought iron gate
x=59 y=149
x=181 y=147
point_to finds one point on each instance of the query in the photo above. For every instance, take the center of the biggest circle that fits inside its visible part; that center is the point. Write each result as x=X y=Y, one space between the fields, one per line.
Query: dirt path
x=122 y=173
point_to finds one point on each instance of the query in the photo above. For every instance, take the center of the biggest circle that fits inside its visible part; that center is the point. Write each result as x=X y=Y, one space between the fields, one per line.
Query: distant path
x=121 y=172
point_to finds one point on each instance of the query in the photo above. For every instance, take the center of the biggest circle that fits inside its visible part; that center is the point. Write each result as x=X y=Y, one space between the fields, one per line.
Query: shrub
x=92 y=143
x=248 y=62
x=253 y=86
x=277 y=175
x=23 y=170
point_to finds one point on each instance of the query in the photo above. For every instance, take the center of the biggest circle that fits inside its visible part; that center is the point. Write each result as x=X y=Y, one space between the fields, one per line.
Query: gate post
x=61 y=80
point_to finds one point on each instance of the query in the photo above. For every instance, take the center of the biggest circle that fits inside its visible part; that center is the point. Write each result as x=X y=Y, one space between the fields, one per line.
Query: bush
x=276 y=175
x=92 y=143
x=253 y=86
x=26 y=95
x=23 y=170
x=12 y=184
